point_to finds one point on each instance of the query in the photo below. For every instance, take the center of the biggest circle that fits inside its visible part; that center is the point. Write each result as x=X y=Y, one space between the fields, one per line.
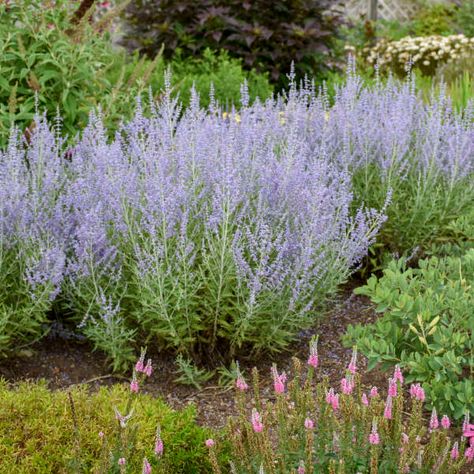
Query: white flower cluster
x=423 y=52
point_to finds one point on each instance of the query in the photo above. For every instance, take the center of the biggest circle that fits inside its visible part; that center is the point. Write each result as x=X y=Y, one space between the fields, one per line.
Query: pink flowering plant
x=119 y=446
x=310 y=427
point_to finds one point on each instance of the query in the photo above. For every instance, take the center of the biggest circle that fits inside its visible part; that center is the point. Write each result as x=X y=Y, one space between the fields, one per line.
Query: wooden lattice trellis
x=401 y=10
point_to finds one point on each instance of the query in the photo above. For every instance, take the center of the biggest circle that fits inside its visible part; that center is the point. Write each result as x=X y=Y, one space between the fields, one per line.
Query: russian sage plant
x=32 y=241
x=422 y=154
x=212 y=230
x=216 y=232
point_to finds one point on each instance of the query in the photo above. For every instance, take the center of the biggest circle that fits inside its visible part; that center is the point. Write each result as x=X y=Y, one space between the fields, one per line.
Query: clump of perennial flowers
x=212 y=233
x=424 y=52
x=312 y=428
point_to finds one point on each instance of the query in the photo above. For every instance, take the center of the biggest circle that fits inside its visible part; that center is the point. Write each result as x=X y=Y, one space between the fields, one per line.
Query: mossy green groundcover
x=39 y=434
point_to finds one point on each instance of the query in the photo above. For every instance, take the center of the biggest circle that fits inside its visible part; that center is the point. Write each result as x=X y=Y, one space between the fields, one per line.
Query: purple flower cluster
x=218 y=226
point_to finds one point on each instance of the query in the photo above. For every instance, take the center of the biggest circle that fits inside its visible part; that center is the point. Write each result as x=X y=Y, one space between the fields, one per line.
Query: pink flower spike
x=148 y=370
x=313 y=359
x=335 y=402
x=134 y=386
x=405 y=438
x=121 y=462
x=416 y=391
x=445 y=422
x=373 y=392
x=388 y=408
x=308 y=424
x=365 y=400
x=392 y=388
x=468 y=430
x=158 y=442
x=455 y=451
x=146 y=469
x=329 y=396
x=240 y=383
x=352 y=368
x=347 y=386
x=397 y=374
x=256 y=419
x=210 y=443
x=374 y=437
x=139 y=366
x=332 y=399
x=469 y=453
x=278 y=380
x=101 y=434
x=301 y=468
x=159 y=447
x=434 y=423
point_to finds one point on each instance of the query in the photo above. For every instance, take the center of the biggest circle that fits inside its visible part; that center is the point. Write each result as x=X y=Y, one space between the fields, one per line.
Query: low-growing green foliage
x=190 y=374
x=37 y=432
x=458 y=239
x=223 y=73
x=433 y=19
x=427 y=327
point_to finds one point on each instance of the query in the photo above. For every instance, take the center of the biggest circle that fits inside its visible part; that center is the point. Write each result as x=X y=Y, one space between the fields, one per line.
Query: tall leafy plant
x=254 y=31
x=57 y=60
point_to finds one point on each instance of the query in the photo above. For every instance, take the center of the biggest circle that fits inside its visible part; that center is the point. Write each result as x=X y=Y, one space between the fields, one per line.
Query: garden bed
x=64 y=362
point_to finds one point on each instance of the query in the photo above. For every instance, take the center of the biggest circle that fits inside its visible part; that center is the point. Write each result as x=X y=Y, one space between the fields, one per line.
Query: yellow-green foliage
x=37 y=431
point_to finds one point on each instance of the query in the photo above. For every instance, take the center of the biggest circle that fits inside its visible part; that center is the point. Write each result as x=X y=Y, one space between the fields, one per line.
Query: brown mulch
x=64 y=362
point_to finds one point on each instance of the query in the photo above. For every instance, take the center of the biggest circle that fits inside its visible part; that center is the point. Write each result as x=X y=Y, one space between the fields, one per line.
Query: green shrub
x=458 y=238
x=427 y=327
x=433 y=19
x=41 y=63
x=37 y=431
x=52 y=64
x=224 y=73
x=464 y=17
x=426 y=53
x=267 y=35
